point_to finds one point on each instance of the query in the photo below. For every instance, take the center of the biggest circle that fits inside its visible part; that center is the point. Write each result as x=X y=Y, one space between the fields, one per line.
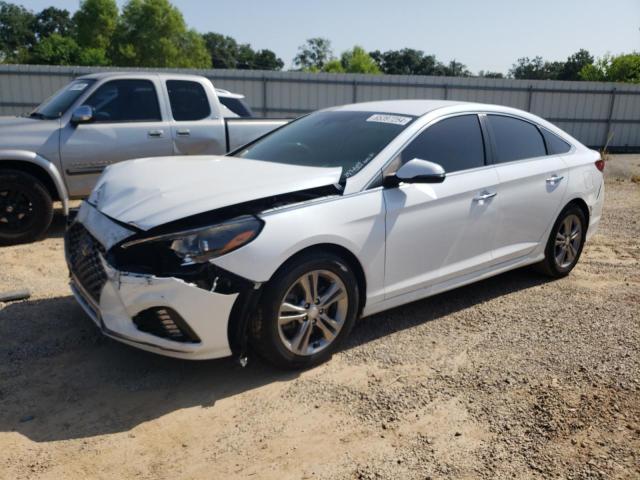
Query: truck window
x=125 y=101
x=188 y=100
x=58 y=103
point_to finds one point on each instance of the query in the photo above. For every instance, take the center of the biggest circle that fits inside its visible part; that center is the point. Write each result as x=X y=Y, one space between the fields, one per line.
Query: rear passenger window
x=188 y=100
x=125 y=101
x=515 y=139
x=455 y=143
x=555 y=145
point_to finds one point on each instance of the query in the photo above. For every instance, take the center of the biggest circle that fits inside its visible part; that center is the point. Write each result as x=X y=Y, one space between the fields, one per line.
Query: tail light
x=600 y=165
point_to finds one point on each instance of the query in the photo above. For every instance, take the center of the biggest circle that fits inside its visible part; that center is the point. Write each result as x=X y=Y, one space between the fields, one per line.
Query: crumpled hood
x=149 y=192
x=23 y=133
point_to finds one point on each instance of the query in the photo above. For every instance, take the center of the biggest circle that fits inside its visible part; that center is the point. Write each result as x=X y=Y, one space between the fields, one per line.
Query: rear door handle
x=484 y=196
x=183 y=132
x=155 y=133
x=552 y=180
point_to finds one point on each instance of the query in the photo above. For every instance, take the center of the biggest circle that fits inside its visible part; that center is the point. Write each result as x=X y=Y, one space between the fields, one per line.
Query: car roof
x=400 y=107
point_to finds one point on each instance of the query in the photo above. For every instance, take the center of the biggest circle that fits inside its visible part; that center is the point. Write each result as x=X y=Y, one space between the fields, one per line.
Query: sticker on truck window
x=385 y=118
x=78 y=87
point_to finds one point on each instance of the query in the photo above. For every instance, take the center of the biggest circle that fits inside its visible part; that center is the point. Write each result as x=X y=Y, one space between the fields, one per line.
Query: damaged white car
x=346 y=212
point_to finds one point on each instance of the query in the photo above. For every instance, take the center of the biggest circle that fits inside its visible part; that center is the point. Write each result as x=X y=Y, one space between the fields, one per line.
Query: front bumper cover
x=124 y=295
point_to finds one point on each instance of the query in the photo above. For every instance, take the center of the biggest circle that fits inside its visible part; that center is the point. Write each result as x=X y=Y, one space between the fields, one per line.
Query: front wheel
x=26 y=208
x=308 y=308
x=565 y=243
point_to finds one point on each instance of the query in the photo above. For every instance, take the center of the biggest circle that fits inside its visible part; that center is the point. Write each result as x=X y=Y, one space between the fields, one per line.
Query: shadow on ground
x=60 y=379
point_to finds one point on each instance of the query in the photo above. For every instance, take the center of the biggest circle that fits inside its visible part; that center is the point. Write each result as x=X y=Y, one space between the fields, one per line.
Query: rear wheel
x=565 y=243
x=309 y=307
x=26 y=208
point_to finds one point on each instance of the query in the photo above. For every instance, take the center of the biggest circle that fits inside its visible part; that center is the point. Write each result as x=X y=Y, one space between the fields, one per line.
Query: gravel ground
x=513 y=377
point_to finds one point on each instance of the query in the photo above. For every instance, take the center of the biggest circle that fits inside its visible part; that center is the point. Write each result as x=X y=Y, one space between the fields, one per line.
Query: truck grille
x=83 y=253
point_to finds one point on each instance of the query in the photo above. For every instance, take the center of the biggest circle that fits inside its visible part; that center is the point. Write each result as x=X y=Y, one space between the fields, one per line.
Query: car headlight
x=203 y=244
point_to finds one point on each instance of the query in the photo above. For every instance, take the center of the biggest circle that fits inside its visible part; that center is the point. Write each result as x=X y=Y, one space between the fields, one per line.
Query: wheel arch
x=344 y=253
x=40 y=168
x=580 y=203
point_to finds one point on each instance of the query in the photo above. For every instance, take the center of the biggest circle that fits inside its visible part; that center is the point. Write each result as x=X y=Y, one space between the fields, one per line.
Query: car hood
x=150 y=192
x=23 y=133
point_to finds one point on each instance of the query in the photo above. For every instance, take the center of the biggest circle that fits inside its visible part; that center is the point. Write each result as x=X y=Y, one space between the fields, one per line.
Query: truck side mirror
x=82 y=114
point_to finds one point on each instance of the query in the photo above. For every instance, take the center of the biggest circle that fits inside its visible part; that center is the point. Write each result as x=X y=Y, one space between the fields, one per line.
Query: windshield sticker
x=78 y=86
x=393 y=119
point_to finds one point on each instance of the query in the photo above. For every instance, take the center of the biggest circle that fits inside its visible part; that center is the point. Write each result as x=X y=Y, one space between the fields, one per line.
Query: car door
x=531 y=189
x=439 y=232
x=193 y=130
x=127 y=123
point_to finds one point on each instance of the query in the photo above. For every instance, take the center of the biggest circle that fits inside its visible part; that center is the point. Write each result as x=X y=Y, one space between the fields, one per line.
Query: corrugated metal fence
x=590 y=111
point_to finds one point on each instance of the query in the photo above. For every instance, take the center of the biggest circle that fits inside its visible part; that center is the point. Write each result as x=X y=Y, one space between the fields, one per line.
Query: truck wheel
x=26 y=208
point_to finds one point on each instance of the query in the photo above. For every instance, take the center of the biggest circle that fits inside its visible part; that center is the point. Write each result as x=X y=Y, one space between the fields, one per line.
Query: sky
x=482 y=34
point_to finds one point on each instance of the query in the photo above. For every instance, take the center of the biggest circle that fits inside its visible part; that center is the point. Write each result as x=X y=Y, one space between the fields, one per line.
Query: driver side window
x=125 y=101
x=455 y=143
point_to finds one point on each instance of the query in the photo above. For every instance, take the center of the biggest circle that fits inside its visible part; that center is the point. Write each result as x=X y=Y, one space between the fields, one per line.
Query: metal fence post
x=610 y=117
x=265 y=109
x=446 y=91
x=530 y=98
x=355 y=91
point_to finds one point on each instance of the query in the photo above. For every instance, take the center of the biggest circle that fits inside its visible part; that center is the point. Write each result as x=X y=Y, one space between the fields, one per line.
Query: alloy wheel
x=568 y=240
x=312 y=312
x=16 y=211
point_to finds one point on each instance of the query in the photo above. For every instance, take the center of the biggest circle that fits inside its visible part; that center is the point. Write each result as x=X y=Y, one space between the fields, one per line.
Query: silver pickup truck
x=58 y=151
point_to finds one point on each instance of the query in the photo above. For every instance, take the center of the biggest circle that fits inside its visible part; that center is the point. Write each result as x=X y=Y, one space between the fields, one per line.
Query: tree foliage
x=620 y=68
x=225 y=52
x=96 y=22
x=16 y=31
x=314 y=55
x=152 y=33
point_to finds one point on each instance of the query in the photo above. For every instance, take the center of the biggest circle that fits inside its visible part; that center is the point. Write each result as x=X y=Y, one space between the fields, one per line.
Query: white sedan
x=343 y=213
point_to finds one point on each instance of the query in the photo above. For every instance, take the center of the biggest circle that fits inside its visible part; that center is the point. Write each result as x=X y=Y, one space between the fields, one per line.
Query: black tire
x=265 y=333
x=550 y=265
x=23 y=194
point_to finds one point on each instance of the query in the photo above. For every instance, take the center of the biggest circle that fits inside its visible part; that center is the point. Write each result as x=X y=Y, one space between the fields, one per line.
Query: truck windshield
x=329 y=139
x=59 y=102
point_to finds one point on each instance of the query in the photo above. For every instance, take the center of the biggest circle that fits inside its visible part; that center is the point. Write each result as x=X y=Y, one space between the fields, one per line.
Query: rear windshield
x=329 y=139
x=59 y=102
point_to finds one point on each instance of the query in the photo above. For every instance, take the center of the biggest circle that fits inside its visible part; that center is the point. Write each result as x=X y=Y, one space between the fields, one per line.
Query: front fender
x=355 y=223
x=49 y=169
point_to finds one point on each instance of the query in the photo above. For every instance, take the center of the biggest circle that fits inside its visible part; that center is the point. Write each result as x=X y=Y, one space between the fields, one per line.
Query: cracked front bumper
x=125 y=295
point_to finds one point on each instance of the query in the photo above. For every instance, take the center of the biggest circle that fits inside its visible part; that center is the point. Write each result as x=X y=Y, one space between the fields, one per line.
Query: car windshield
x=329 y=139
x=59 y=102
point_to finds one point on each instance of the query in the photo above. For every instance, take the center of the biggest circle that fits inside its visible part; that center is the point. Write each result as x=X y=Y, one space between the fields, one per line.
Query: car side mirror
x=417 y=171
x=82 y=114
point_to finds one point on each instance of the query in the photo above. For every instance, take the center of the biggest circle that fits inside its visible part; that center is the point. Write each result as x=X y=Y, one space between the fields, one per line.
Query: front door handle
x=183 y=132
x=484 y=196
x=552 y=180
x=155 y=133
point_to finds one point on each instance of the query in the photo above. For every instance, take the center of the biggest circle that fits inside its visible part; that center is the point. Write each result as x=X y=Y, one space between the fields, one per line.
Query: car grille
x=83 y=253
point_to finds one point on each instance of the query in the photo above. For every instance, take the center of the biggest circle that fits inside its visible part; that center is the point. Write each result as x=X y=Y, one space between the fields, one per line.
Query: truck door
x=127 y=123
x=195 y=130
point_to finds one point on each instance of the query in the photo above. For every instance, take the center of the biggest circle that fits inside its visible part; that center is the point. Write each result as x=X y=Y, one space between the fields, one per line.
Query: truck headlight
x=203 y=244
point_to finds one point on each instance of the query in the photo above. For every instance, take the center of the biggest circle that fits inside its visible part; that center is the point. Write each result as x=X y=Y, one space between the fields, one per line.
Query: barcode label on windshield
x=78 y=86
x=394 y=119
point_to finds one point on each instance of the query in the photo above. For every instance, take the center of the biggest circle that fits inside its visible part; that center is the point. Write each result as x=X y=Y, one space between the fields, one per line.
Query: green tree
x=267 y=60
x=222 y=49
x=333 y=66
x=357 y=60
x=407 y=61
x=16 y=31
x=314 y=54
x=96 y=22
x=620 y=68
x=53 y=20
x=574 y=64
x=152 y=33
x=489 y=74
x=55 y=50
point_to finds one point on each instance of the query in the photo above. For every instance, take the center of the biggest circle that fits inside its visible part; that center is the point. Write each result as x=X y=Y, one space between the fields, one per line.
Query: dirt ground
x=513 y=377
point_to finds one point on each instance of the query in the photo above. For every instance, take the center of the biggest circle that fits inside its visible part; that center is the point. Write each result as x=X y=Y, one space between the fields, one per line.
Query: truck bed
x=240 y=131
